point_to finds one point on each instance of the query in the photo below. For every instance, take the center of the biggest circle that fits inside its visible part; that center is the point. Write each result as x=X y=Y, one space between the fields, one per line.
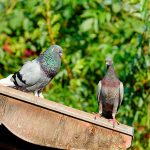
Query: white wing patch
x=121 y=92
x=98 y=91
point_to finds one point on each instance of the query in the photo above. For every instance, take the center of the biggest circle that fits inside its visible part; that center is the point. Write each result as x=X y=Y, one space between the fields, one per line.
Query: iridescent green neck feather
x=50 y=62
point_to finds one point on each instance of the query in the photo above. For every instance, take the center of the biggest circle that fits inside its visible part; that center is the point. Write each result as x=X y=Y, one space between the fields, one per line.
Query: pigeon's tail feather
x=7 y=81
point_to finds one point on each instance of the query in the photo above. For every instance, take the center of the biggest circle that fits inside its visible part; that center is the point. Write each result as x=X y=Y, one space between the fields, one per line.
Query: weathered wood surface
x=50 y=124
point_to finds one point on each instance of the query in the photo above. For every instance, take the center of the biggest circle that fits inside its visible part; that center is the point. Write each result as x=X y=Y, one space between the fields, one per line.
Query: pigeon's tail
x=7 y=81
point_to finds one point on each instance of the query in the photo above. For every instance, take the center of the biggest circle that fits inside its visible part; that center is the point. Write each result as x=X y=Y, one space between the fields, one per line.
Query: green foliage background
x=88 y=31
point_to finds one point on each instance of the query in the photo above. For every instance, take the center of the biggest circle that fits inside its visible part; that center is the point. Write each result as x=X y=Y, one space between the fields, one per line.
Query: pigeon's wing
x=98 y=91
x=121 y=91
x=29 y=74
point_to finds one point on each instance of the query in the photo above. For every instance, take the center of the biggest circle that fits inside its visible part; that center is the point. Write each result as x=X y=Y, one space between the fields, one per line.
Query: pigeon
x=36 y=74
x=109 y=93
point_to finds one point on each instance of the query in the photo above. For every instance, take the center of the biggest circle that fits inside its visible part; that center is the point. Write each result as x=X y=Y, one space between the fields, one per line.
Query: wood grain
x=36 y=121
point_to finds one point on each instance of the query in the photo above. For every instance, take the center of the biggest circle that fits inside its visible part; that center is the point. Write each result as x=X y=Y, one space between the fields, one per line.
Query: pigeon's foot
x=41 y=95
x=38 y=94
x=97 y=115
x=114 y=122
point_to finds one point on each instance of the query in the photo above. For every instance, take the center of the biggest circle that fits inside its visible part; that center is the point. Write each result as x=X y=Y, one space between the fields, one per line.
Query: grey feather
x=121 y=92
x=98 y=91
x=36 y=74
x=30 y=72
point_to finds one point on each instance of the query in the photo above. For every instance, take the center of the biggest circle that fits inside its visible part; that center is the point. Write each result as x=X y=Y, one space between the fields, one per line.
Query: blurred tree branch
x=50 y=33
x=48 y=22
x=11 y=6
x=68 y=69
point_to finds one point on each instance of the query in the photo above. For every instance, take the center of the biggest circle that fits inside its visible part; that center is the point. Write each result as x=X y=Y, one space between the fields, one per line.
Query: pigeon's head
x=109 y=61
x=57 y=49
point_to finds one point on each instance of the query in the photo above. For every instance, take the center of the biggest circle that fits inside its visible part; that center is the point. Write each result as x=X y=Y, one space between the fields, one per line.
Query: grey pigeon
x=36 y=74
x=109 y=93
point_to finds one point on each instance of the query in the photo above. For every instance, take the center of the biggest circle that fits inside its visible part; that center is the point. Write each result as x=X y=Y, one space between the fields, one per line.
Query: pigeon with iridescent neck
x=109 y=93
x=36 y=74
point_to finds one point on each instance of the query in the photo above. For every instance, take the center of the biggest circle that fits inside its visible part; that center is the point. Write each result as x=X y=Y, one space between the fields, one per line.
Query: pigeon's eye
x=57 y=50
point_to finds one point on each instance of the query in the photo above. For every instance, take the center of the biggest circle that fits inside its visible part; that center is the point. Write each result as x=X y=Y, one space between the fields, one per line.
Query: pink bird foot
x=97 y=115
x=114 y=121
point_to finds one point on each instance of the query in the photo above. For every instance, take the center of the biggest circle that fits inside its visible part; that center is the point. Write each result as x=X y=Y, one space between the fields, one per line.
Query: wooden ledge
x=51 y=124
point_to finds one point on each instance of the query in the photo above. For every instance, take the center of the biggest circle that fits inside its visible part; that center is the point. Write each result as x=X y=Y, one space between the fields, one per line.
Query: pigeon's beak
x=60 y=55
x=107 y=64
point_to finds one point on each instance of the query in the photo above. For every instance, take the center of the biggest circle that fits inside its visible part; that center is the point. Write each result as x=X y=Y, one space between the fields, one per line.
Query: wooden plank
x=51 y=124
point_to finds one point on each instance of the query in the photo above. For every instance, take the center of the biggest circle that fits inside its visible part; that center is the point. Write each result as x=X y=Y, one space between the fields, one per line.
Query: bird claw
x=41 y=95
x=97 y=115
x=38 y=94
x=114 y=121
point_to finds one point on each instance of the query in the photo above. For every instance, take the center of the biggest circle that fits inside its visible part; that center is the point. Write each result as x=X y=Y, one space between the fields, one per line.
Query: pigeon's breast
x=109 y=91
x=110 y=82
